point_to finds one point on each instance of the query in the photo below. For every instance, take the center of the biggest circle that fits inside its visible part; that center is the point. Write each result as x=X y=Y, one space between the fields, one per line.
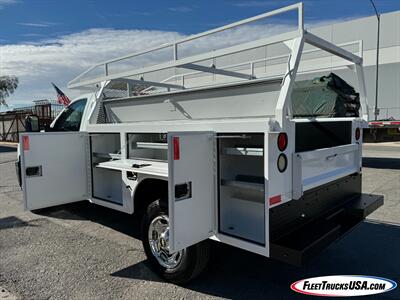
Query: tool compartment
x=241 y=186
x=107 y=184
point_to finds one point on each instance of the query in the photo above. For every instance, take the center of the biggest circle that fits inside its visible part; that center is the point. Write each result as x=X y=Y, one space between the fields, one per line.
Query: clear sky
x=54 y=40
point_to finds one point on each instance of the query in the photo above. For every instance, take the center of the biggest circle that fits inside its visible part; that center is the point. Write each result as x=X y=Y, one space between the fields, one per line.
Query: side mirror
x=32 y=124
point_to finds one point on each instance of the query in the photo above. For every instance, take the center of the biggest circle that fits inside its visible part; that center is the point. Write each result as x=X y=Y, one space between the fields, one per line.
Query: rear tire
x=179 y=267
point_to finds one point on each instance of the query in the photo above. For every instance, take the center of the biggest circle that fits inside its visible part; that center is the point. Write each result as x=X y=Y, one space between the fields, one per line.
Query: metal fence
x=12 y=123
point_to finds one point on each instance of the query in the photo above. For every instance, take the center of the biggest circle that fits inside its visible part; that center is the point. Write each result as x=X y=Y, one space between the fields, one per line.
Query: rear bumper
x=324 y=220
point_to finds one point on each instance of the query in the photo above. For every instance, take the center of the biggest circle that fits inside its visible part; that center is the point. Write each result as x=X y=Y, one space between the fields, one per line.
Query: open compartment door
x=192 y=187
x=54 y=168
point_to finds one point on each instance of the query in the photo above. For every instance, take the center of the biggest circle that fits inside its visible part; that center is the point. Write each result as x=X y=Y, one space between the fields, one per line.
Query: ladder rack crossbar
x=150 y=83
x=79 y=81
x=215 y=70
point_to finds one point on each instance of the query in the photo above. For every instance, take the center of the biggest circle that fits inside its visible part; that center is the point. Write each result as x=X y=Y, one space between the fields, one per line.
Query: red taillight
x=358 y=133
x=282 y=141
x=175 y=142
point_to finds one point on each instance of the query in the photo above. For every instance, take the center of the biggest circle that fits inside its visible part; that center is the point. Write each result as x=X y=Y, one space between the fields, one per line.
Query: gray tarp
x=326 y=96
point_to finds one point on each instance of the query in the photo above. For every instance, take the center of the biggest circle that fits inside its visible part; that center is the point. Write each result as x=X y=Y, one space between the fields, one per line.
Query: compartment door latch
x=35 y=171
x=183 y=191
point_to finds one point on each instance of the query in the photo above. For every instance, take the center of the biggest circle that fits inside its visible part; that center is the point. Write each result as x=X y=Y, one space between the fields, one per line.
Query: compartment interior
x=317 y=135
x=151 y=146
x=106 y=183
x=241 y=186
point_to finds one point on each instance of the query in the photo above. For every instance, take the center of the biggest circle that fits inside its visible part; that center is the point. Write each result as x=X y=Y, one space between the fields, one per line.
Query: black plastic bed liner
x=318 y=231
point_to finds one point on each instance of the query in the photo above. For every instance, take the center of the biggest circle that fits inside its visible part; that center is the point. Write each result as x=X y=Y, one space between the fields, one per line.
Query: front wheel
x=179 y=267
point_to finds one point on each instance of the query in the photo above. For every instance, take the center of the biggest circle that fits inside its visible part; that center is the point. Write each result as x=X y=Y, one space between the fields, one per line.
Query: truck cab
x=74 y=116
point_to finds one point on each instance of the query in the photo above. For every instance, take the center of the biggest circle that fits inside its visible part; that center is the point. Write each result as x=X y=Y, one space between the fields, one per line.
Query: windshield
x=70 y=119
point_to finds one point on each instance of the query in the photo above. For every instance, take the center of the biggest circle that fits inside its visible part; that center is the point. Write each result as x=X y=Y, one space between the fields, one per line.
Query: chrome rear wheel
x=179 y=267
x=158 y=237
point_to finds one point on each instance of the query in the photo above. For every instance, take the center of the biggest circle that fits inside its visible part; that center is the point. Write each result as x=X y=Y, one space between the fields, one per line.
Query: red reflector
x=175 y=141
x=376 y=123
x=282 y=141
x=25 y=142
x=275 y=199
x=358 y=133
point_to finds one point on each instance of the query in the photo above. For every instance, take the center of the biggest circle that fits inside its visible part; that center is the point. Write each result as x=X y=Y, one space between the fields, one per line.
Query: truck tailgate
x=317 y=167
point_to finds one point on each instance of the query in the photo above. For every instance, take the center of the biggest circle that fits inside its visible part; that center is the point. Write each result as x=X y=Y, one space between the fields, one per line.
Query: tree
x=8 y=84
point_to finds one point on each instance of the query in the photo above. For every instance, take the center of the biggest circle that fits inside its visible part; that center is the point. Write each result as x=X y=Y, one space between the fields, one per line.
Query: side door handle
x=35 y=171
x=183 y=191
x=331 y=156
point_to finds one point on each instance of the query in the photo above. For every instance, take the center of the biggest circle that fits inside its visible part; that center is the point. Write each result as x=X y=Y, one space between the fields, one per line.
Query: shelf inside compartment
x=243 y=184
x=158 y=168
x=244 y=219
x=107 y=155
x=249 y=151
x=249 y=182
x=149 y=145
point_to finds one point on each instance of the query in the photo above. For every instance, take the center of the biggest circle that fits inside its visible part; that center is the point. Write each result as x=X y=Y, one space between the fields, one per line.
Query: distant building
x=365 y=29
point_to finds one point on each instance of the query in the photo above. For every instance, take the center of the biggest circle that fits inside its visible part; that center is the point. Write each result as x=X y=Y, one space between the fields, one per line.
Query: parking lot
x=82 y=251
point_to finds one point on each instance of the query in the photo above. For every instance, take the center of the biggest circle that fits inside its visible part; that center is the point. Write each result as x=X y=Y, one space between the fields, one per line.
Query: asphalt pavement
x=83 y=251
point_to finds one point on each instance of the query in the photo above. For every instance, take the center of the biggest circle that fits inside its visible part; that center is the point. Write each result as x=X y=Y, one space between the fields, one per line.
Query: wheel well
x=149 y=190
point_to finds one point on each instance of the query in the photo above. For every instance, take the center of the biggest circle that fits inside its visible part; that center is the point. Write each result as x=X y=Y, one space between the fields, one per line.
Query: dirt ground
x=82 y=251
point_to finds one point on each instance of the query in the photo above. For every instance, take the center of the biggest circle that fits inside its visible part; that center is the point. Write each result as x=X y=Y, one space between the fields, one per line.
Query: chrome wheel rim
x=159 y=243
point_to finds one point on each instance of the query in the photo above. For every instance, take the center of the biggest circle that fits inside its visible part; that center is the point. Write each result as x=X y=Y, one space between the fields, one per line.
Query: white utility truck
x=204 y=145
